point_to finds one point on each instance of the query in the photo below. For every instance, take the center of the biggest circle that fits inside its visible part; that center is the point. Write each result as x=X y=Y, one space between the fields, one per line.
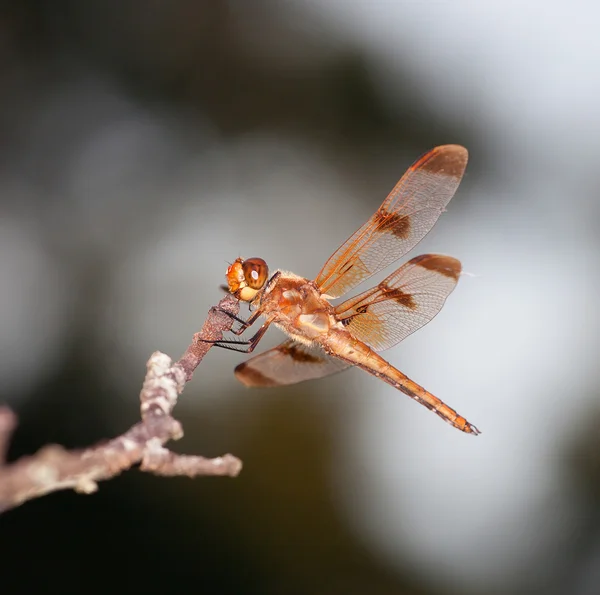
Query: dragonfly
x=325 y=338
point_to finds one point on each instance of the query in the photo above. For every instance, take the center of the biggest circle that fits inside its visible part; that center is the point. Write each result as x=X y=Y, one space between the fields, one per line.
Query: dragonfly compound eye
x=256 y=272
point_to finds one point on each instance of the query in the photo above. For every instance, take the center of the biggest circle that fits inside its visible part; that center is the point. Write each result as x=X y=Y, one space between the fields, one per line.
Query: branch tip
x=53 y=468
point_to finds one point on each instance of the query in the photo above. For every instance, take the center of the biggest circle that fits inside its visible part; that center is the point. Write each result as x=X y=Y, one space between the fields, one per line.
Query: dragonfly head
x=245 y=278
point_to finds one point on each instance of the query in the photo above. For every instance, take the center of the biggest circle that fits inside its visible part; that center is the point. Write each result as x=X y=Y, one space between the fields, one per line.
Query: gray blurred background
x=143 y=145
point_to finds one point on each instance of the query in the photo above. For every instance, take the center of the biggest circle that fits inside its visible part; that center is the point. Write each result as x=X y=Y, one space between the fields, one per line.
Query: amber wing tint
x=288 y=363
x=402 y=303
x=405 y=217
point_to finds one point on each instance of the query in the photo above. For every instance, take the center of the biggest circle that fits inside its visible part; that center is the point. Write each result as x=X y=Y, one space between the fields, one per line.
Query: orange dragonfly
x=324 y=338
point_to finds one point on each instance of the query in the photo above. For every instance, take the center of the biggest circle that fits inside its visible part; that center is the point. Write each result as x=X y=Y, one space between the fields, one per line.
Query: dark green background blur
x=143 y=145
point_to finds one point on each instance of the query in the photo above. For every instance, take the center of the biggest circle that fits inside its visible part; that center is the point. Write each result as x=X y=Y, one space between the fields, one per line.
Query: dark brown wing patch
x=395 y=293
x=288 y=363
x=300 y=355
x=450 y=267
x=397 y=225
x=251 y=376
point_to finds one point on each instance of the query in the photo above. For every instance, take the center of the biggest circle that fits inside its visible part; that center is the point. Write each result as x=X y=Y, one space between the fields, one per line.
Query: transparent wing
x=402 y=303
x=288 y=363
x=405 y=217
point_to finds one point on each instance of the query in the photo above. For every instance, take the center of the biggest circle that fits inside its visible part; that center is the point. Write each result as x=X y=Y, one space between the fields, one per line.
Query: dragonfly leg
x=244 y=324
x=242 y=346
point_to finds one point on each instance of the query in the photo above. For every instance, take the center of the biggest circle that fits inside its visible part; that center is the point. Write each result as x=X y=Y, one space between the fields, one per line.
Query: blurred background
x=144 y=145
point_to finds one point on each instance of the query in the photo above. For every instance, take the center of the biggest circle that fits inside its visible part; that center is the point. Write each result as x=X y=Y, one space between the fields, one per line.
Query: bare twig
x=53 y=468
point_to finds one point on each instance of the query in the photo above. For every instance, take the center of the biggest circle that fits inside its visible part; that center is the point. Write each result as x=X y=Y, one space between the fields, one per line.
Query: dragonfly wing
x=288 y=363
x=402 y=303
x=405 y=217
